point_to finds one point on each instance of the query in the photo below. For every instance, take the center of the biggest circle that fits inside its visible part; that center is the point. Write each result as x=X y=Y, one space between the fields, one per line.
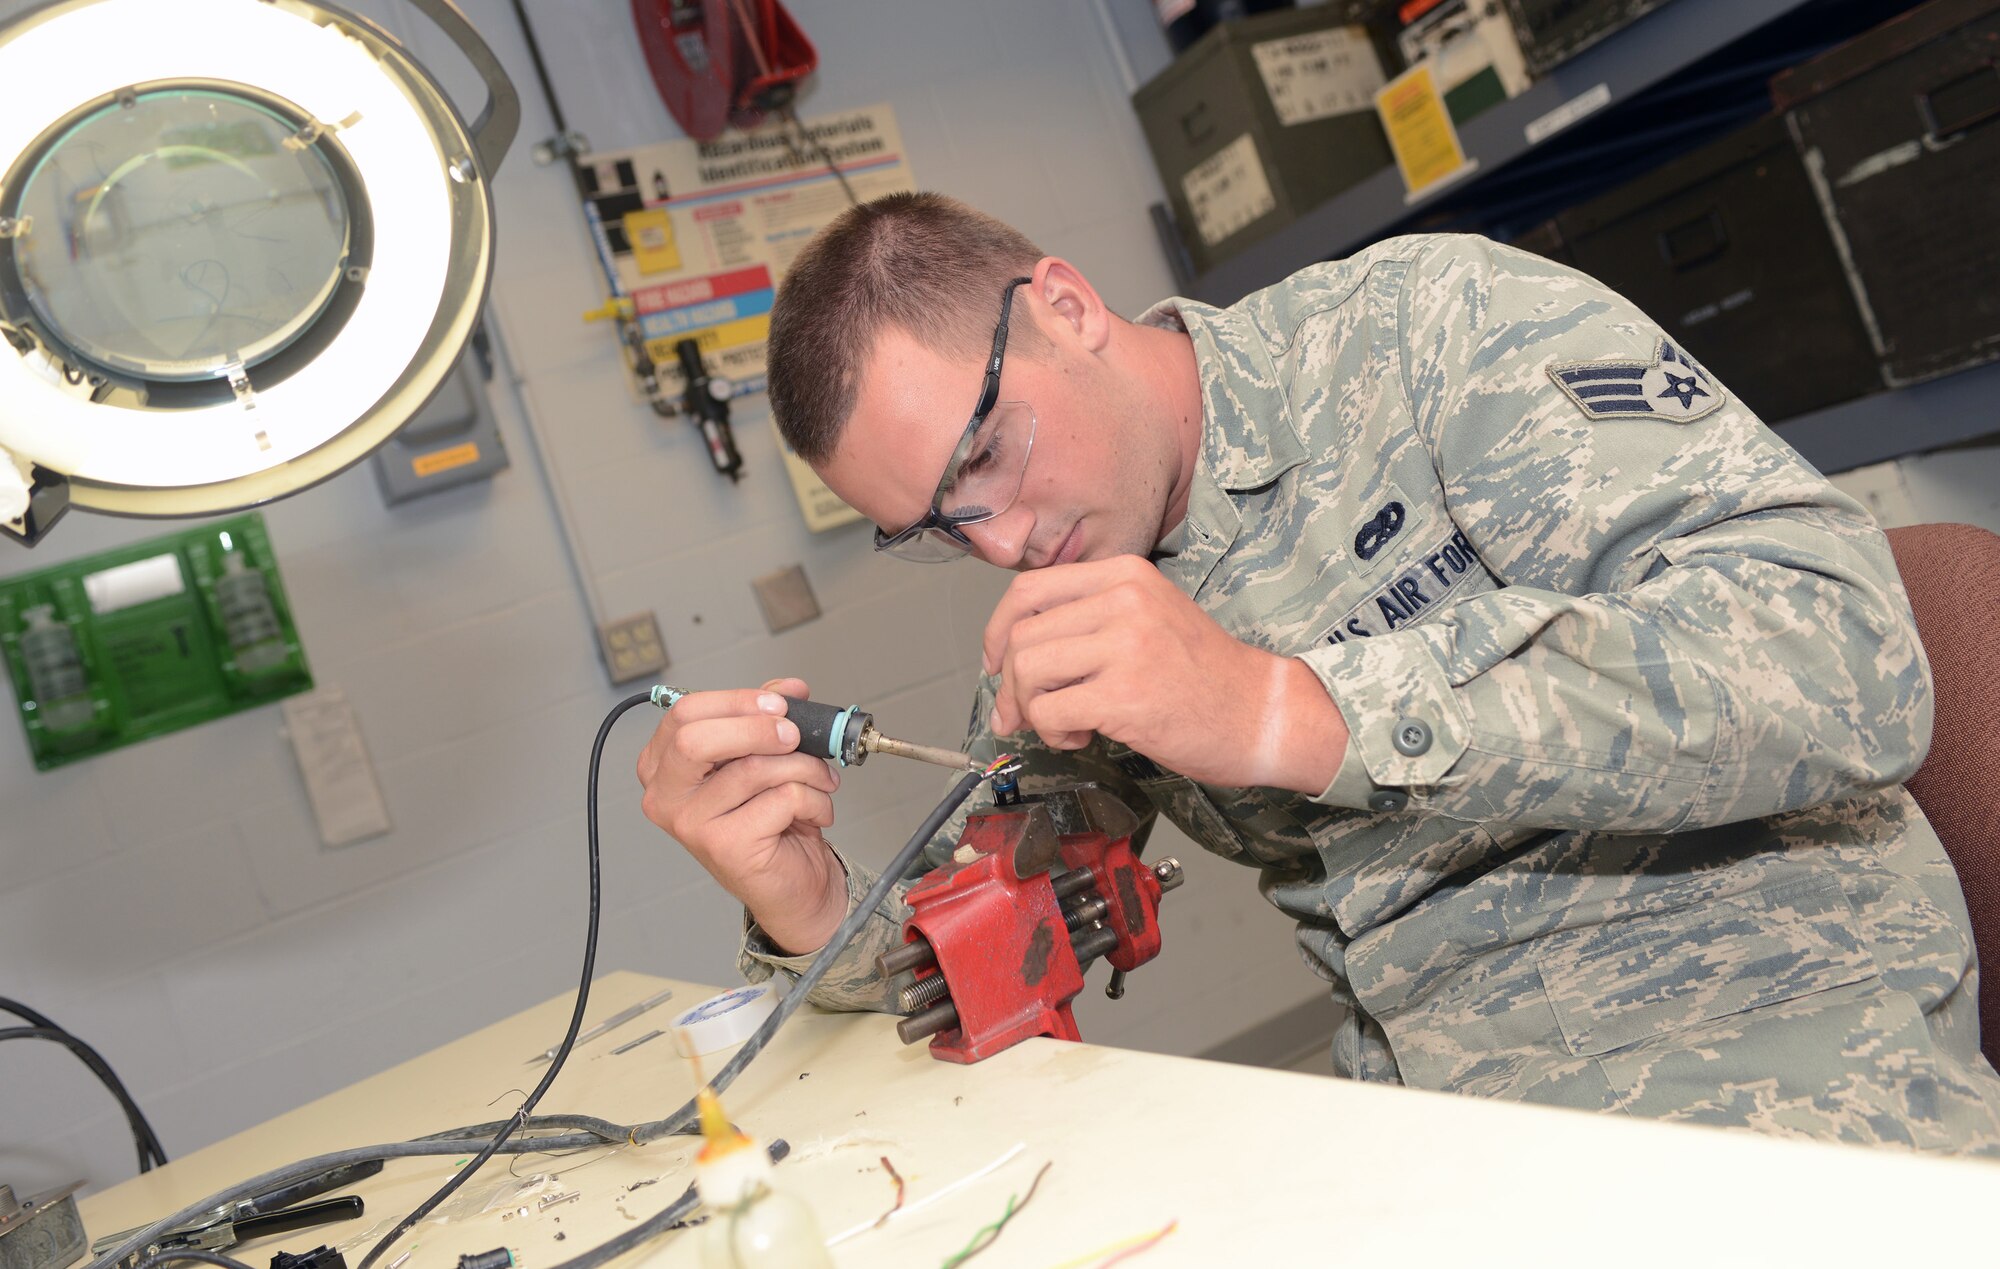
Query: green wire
x=976 y=1246
x=988 y=1236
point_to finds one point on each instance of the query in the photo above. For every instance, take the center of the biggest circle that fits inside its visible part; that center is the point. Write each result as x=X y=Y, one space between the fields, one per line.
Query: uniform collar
x=1247 y=436
x=1244 y=446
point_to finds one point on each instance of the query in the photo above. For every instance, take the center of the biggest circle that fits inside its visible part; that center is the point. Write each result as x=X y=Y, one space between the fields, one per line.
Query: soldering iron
x=844 y=736
x=847 y=736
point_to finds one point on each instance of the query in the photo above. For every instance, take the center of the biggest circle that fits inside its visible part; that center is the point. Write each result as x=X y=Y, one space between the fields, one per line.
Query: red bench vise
x=999 y=938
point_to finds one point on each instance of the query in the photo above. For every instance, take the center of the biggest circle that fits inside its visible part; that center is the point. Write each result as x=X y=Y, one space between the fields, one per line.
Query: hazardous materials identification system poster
x=698 y=234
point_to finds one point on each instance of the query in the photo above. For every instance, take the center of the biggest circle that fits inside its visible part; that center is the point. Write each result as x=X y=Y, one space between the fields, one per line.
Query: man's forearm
x=852 y=982
x=801 y=930
x=1305 y=734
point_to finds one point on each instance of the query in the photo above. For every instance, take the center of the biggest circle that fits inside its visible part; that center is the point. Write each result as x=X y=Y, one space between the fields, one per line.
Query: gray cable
x=292 y=1173
x=843 y=934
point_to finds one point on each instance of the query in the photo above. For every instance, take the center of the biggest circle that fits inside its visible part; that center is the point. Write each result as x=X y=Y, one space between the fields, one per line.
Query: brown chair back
x=1952 y=572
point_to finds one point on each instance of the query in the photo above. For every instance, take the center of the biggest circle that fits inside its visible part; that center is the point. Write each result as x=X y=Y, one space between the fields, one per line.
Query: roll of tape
x=721 y=1021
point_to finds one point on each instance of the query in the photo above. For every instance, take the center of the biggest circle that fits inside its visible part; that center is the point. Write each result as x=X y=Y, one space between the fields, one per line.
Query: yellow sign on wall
x=1420 y=130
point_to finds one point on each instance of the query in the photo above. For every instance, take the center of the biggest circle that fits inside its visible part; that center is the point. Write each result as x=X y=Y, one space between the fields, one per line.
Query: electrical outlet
x=632 y=647
x=786 y=598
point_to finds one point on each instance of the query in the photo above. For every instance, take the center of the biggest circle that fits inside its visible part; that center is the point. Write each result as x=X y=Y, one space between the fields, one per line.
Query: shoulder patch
x=1671 y=387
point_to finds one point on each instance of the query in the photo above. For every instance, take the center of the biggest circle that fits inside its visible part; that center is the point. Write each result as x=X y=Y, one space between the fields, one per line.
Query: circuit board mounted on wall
x=148 y=639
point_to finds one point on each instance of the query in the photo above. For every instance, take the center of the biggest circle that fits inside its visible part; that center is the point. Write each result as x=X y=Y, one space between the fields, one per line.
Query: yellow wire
x=1109 y=1249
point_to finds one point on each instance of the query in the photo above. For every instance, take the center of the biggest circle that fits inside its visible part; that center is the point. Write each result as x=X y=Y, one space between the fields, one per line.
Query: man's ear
x=1074 y=302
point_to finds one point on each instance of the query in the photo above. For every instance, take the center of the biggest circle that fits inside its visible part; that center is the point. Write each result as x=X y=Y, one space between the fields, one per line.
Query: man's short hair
x=924 y=263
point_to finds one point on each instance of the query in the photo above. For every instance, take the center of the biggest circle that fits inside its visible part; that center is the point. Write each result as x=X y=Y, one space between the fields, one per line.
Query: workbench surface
x=1311 y=1169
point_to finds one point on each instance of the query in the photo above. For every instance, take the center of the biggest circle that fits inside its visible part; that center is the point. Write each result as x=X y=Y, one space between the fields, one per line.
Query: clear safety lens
x=989 y=478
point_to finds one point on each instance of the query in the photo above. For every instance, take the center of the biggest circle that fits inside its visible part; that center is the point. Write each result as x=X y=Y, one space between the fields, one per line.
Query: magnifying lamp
x=241 y=243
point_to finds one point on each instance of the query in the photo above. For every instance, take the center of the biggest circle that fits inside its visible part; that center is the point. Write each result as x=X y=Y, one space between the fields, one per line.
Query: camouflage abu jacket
x=1576 y=603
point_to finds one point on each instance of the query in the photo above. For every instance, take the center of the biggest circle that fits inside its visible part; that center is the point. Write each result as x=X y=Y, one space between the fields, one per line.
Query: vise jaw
x=999 y=938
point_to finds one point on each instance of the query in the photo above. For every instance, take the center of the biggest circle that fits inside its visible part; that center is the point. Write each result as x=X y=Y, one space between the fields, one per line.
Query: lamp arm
x=493 y=132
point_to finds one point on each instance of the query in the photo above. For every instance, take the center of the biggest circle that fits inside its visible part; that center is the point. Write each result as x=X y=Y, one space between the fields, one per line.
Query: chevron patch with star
x=1670 y=387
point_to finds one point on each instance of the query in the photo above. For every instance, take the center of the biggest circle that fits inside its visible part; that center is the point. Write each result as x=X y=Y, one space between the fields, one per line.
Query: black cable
x=541 y=71
x=791 y=116
x=150 y=1150
x=45 y=1028
x=672 y=1215
x=464 y=1174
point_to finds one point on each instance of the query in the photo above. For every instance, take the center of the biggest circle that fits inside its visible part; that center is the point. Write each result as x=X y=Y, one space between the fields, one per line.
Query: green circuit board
x=148 y=639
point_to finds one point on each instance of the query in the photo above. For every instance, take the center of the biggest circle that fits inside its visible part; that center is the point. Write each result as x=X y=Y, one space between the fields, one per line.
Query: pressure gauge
x=241 y=243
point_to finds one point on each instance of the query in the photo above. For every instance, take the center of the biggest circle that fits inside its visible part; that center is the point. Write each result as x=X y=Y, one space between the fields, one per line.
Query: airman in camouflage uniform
x=1629 y=687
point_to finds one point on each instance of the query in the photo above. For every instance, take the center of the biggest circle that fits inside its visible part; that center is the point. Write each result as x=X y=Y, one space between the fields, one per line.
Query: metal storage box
x=1725 y=248
x=1553 y=31
x=1260 y=120
x=1900 y=132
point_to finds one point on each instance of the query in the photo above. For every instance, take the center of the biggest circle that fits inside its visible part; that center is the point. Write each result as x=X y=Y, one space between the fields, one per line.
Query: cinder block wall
x=171 y=902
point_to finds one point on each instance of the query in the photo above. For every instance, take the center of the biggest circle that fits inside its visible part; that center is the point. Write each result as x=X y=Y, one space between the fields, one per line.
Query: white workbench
x=1301 y=1169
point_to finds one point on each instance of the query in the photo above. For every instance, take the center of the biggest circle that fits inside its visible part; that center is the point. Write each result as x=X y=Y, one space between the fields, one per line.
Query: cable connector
x=318 y=1258
x=665 y=697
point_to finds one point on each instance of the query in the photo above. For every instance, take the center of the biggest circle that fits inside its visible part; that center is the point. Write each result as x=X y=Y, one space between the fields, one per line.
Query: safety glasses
x=984 y=474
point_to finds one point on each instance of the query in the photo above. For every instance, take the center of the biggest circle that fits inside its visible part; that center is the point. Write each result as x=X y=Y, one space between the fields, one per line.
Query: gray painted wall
x=171 y=902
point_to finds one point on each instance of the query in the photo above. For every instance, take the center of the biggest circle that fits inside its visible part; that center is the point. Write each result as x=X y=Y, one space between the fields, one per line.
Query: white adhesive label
x=1319 y=74
x=340 y=780
x=1228 y=190
x=1568 y=113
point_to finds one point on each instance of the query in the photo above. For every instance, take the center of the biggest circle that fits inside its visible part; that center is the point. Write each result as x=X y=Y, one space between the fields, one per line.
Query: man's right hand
x=724 y=777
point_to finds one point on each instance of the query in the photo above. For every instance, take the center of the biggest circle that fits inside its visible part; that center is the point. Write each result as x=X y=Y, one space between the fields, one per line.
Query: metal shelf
x=1903 y=421
x=1661 y=44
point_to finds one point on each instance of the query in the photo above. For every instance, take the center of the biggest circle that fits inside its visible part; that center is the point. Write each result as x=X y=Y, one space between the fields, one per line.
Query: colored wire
x=934 y=1196
x=1121 y=1249
x=901 y=1189
x=1145 y=1244
x=42 y=1027
x=492 y=1147
x=991 y=1234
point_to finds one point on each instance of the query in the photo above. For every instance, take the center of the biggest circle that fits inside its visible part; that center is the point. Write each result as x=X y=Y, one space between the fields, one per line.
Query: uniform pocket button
x=1411 y=737
x=1388 y=800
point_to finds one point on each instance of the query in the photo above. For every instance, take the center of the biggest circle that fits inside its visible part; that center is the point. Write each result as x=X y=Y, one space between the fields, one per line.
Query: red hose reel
x=723 y=62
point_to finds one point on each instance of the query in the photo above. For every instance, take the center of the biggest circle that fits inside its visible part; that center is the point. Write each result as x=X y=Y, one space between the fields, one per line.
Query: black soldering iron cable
x=464 y=1174
x=147 y=1144
x=586 y=1130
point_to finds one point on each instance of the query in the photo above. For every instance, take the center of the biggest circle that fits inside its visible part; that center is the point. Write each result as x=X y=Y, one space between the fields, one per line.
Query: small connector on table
x=317 y=1258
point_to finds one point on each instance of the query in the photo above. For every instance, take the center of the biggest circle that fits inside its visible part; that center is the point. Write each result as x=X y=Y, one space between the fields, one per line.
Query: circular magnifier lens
x=177 y=234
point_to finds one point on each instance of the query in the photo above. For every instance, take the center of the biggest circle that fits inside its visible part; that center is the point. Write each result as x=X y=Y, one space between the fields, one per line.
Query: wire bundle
x=565 y=1131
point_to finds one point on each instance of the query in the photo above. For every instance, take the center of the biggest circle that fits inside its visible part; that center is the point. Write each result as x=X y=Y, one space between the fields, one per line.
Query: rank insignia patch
x=1670 y=387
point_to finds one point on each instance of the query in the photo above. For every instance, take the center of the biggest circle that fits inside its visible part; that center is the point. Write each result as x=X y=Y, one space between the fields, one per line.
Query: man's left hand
x=1111 y=647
